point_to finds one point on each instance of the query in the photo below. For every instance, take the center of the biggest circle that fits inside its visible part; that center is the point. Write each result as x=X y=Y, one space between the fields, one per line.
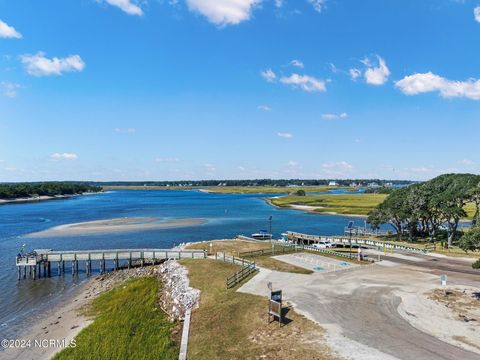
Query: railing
x=358 y=241
x=241 y=274
x=275 y=250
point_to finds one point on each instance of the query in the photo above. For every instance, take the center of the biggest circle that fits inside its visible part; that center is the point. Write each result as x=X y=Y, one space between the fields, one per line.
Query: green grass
x=233 y=325
x=128 y=325
x=358 y=204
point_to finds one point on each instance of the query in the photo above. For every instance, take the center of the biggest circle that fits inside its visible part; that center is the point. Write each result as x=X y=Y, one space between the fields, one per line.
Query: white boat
x=262 y=235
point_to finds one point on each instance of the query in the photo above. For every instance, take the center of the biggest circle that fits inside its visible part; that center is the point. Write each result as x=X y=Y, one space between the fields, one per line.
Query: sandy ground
x=65 y=321
x=62 y=323
x=34 y=199
x=311 y=209
x=116 y=225
x=378 y=312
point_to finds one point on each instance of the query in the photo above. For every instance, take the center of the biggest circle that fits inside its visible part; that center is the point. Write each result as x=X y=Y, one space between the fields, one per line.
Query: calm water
x=227 y=215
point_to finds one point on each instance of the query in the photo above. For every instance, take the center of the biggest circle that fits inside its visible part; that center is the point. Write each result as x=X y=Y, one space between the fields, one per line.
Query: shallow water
x=227 y=215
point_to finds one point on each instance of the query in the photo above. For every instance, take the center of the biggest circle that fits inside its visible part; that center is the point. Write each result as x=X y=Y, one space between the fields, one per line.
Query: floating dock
x=39 y=259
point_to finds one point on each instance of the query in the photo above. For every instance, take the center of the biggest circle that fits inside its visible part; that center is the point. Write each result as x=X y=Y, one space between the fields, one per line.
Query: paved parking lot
x=317 y=263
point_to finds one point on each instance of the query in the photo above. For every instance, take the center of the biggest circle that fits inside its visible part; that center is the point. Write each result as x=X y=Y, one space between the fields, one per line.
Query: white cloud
x=429 y=82
x=8 y=32
x=342 y=115
x=241 y=168
x=293 y=163
x=476 y=13
x=467 y=162
x=354 y=73
x=63 y=156
x=10 y=89
x=264 y=108
x=285 y=135
x=297 y=63
x=39 y=65
x=269 y=75
x=305 y=82
x=376 y=75
x=210 y=167
x=339 y=168
x=125 y=131
x=278 y=3
x=126 y=6
x=167 y=160
x=224 y=12
x=318 y=5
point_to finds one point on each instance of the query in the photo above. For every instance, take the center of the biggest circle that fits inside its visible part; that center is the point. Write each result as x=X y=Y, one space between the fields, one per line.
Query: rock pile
x=177 y=296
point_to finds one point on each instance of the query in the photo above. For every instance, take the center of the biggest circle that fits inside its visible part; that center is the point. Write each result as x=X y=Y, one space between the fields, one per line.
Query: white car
x=323 y=245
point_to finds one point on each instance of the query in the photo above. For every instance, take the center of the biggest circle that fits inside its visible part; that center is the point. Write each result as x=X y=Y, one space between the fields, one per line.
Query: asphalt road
x=359 y=308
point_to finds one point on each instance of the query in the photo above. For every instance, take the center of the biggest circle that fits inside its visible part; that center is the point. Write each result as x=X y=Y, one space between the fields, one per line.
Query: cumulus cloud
x=354 y=74
x=305 y=82
x=476 y=13
x=10 y=89
x=318 y=5
x=285 y=135
x=269 y=75
x=167 y=160
x=125 y=130
x=39 y=65
x=428 y=82
x=376 y=75
x=264 y=108
x=64 y=156
x=339 y=168
x=8 y=32
x=224 y=12
x=467 y=162
x=342 y=115
x=278 y=3
x=297 y=63
x=127 y=6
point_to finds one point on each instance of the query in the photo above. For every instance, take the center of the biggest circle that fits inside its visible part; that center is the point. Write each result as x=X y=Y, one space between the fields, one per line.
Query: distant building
x=332 y=183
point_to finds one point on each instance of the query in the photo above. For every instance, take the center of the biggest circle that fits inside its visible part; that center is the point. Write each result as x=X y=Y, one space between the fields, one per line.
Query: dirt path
x=359 y=310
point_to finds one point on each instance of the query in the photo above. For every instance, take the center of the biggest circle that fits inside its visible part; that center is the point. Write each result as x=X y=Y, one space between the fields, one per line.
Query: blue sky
x=213 y=89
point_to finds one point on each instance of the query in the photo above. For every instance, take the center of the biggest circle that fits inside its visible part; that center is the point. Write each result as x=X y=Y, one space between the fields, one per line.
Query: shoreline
x=309 y=209
x=41 y=198
x=62 y=322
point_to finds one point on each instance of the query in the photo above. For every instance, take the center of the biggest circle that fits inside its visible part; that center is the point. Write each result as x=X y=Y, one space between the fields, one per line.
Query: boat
x=262 y=235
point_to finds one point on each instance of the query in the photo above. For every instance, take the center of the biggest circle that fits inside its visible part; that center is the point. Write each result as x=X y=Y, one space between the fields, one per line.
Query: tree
x=474 y=195
x=471 y=242
x=300 y=192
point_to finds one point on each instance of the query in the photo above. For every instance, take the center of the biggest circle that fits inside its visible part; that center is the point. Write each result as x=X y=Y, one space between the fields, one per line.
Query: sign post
x=275 y=305
x=443 y=279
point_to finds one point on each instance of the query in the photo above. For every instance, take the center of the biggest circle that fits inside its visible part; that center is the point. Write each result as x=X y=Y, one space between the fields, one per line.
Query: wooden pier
x=41 y=260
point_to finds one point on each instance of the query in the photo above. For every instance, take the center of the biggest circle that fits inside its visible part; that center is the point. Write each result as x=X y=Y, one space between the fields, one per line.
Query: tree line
x=12 y=191
x=430 y=208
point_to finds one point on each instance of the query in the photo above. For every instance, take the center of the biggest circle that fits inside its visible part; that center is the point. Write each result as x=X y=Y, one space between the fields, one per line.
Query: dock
x=39 y=262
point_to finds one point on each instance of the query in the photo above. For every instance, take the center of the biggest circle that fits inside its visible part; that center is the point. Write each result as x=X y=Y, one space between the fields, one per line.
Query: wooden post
x=30 y=271
x=34 y=272
x=63 y=266
x=73 y=267
x=130 y=260
x=49 y=268
x=19 y=272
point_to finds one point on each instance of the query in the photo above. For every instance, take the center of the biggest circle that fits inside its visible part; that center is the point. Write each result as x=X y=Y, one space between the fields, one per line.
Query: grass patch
x=358 y=204
x=128 y=325
x=232 y=325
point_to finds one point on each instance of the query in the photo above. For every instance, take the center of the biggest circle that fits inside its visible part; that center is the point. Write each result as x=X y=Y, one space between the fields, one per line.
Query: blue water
x=227 y=215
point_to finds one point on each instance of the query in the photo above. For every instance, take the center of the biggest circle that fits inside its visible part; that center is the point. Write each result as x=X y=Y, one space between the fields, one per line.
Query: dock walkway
x=43 y=258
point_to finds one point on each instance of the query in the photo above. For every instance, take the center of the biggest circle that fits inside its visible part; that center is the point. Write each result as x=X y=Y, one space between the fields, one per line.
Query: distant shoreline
x=310 y=209
x=41 y=198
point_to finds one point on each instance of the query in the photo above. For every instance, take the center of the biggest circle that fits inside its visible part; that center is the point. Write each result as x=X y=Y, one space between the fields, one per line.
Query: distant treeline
x=257 y=182
x=12 y=191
